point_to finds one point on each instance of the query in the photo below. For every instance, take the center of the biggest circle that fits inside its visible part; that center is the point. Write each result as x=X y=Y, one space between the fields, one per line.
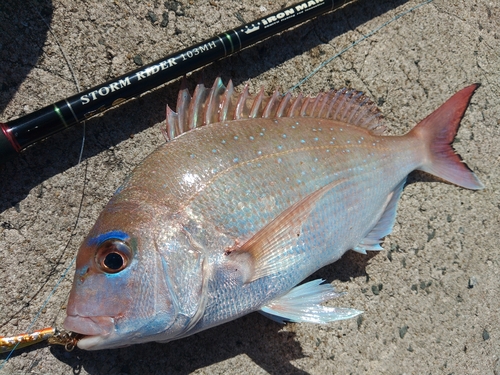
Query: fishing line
x=80 y=206
x=364 y=37
x=61 y=278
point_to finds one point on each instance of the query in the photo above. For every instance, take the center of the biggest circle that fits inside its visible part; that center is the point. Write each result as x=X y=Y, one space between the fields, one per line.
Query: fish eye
x=113 y=256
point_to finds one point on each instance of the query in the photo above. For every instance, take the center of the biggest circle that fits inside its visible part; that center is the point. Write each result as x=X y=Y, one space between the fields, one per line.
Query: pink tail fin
x=438 y=130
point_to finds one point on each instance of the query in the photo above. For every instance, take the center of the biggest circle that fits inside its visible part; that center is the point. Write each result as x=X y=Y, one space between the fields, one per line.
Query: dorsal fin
x=220 y=103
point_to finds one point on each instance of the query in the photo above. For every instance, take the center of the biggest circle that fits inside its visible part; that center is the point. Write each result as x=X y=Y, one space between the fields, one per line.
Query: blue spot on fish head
x=114 y=234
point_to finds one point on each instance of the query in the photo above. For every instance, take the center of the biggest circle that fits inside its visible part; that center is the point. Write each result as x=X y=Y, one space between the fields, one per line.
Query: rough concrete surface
x=430 y=299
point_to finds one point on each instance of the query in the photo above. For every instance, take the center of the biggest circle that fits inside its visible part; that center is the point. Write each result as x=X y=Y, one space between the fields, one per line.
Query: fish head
x=134 y=282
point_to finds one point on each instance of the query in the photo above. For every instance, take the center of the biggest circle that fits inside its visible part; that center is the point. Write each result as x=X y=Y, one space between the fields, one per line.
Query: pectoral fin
x=265 y=253
x=302 y=304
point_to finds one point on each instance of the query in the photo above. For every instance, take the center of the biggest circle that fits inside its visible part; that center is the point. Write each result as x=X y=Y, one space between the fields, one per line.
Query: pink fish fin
x=176 y=120
x=303 y=304
x=172 y=125
x=295 y=106
x=437 y=131
x=182 y=108
x=354 y=108
x=319 y=104
x=242 y=110
x=256 y=105
x=218 y=103
x=385 y=223
x=273 y=102
x=195 y=111
x=283 y=105
x=305 y=104
x=348 y=106
x=265 y=253
x=227 y=106
x=213 y=104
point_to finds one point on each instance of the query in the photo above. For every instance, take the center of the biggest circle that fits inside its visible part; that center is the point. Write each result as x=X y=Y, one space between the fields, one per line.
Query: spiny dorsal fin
x=220 y=103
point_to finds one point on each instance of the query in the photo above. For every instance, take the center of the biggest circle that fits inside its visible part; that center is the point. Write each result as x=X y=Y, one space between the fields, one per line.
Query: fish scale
x=257 y=152
x=248 y=177
x=252 y=196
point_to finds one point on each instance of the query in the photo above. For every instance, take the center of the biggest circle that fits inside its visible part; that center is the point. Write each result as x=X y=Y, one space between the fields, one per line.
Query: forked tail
x=438 y=131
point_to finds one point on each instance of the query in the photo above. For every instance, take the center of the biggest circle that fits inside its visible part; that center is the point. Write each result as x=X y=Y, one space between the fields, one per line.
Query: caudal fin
x=438 y=130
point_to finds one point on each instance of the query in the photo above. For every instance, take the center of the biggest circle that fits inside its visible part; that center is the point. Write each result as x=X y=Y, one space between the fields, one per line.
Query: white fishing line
x=80 y=156
x=364 y=37
x=61 y=278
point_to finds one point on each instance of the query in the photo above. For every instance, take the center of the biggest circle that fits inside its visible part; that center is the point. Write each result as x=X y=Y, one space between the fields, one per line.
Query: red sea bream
x=249 y=196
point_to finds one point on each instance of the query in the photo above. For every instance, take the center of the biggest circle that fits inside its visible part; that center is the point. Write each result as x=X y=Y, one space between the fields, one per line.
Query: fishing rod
x=22 y=132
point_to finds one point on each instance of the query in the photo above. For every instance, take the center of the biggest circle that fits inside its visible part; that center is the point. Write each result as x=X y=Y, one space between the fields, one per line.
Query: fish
x=249 y=196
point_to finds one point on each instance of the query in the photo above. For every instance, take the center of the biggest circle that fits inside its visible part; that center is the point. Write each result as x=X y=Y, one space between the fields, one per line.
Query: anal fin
x=385 y=223
x=303 y=304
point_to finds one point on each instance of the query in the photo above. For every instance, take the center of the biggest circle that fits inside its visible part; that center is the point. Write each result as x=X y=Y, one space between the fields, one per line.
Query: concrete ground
x=430 y=299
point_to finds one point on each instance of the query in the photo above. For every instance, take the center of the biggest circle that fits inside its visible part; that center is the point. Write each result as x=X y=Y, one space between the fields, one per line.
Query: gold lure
x=50 y=334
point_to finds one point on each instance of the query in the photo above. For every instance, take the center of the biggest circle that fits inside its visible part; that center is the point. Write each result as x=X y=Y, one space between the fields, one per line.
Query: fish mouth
x=94 y=329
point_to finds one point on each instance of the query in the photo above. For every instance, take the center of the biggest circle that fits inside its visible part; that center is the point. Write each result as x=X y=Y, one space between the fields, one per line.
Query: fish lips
x=93 y=328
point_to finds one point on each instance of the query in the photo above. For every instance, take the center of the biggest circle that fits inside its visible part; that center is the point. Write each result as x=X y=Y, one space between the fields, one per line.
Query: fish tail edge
x=438 y=131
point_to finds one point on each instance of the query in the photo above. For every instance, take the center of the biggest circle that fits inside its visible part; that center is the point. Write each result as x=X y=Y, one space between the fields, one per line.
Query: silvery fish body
x=227 y=218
